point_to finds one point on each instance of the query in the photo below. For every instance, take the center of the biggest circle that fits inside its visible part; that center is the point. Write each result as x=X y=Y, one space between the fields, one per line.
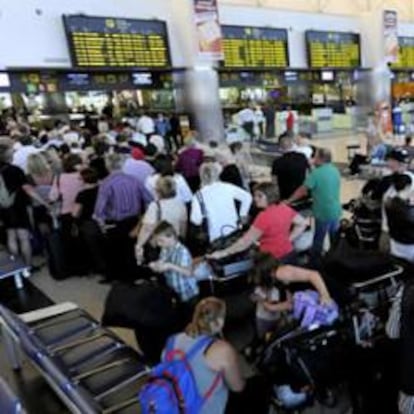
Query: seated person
x=217 y=362
x=275 y=228
x=176 y=265
x=376 y=156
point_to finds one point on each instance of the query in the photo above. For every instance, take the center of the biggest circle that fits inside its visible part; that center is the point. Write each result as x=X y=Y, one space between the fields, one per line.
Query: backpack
x=6 y=197
x=172 y=388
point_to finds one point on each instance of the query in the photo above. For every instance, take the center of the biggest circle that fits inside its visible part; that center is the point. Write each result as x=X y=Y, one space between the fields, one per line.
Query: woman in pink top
x=67 y=185
x=65 y=188
x=274 y=229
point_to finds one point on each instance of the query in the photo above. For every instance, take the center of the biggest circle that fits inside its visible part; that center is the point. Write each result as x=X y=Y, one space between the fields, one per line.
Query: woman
x=40 y=174
x=275 y=283
x=89 y=230
x=164 y=167
x=275 y=228
x=65 y=189
x=217 y=362
x=14 y=202
x=168 y=208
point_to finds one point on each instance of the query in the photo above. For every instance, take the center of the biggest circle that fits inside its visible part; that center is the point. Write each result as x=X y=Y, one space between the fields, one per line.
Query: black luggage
x=350 y=265
x=56 y=259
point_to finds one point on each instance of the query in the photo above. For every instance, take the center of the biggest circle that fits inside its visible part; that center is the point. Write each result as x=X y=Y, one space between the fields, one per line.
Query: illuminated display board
x=255 y=47
x=333 y=49
x=406 y=53
x=106 y=42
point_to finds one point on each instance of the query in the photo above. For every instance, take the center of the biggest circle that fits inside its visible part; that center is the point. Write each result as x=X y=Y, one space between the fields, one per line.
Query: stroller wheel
x=327 y=397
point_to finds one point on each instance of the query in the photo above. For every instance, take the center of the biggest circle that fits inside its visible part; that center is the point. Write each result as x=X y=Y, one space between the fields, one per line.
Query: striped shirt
x=393 y=328
x=121 y=196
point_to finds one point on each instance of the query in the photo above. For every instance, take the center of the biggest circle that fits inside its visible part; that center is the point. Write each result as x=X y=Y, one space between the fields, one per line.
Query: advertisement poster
x=207 y=22
x=391 y=47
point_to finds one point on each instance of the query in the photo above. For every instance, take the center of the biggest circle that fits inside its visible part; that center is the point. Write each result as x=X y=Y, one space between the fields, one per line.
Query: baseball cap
x=137 y=154
x=398 y=154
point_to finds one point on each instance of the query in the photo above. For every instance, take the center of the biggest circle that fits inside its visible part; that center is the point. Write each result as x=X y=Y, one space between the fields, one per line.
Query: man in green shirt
x=324 y=185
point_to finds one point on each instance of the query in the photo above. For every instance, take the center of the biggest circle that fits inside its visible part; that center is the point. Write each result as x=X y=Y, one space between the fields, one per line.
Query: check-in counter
x=323 y=117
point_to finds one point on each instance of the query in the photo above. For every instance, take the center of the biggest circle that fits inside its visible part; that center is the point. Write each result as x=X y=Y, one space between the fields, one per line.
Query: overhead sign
x=405 y=57
x=108 y=42
x=390 y=36
x=333 y=49
x=255 y=47
x=207 y=23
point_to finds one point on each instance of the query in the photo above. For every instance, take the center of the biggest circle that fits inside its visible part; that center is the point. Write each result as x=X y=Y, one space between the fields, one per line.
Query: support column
x=201 y=84
x=375 y=87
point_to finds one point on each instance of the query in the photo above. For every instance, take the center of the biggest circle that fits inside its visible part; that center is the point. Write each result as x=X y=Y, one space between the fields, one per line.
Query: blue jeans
x=322 y=228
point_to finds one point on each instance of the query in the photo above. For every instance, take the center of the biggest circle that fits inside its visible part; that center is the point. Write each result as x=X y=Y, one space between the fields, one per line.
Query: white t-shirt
x=184 y=192
x=146 y=125
x=158 y=141
x=21 y=156
x=219 y=201
x=171 y=210
x=246 y=115
x=305 y=150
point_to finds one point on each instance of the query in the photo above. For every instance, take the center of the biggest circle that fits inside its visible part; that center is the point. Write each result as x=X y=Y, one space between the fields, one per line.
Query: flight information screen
x=333 y=49
x=112 y=42
x=406 y=53
x=255 y=47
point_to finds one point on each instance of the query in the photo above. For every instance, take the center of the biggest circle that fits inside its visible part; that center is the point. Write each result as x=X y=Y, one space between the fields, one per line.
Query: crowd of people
x=135 y=199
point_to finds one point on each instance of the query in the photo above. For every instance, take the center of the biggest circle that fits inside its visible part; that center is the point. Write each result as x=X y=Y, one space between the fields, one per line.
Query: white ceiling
x=405 y=8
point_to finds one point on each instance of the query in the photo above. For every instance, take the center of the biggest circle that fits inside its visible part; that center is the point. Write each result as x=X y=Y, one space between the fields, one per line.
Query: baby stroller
x=364 y=228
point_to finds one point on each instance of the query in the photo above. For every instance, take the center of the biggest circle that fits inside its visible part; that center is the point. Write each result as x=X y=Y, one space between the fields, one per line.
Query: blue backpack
x=172 y=388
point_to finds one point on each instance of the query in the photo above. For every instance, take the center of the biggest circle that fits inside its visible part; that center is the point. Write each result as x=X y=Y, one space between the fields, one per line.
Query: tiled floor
x=91 y=296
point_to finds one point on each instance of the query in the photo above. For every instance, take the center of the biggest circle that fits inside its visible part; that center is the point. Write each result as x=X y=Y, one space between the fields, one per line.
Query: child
x=176 y=265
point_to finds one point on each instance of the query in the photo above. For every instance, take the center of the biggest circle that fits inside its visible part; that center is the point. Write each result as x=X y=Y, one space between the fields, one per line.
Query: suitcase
x=56 y=259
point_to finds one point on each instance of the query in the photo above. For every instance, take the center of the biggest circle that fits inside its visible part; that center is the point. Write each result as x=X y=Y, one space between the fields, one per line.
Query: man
x=289 y=170
x=409 y=148
x=137 y=167
x=247 y=120
x=324 y=184
x=121 y=200
x=146 y=125
x=397 y=161
x=270 y=116
x=23 y=152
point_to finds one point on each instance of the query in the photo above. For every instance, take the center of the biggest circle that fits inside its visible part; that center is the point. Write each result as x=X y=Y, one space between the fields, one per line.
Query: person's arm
x=229 y=365
x=184 y=265
x=300 y=193
x=149 y=223
x=184 y=189
x=144 y=195
x=54 y=191
x=245 y=199
x=101 y=204
x=247 y=240
x=293 y=274
x=299 y=226
x=196 y=216
x=31 y=192
x=278 y=307
x=77 y=210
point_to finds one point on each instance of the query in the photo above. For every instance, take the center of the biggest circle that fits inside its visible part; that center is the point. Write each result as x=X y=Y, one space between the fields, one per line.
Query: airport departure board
x=406 y=53
x=333 y=49
x=107 y=42
x=255 y=47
